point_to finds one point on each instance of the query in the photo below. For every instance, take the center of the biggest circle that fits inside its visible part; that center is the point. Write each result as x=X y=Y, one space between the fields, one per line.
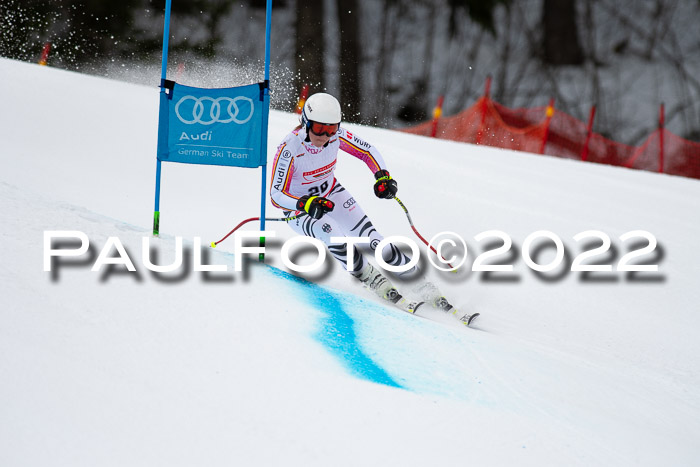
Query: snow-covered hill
x=190 y=368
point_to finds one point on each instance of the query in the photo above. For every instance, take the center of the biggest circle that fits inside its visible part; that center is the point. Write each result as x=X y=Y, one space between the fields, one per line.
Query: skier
x=303 y=181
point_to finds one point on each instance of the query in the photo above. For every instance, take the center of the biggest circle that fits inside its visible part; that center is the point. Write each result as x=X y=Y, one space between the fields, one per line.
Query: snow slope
x=262 y=368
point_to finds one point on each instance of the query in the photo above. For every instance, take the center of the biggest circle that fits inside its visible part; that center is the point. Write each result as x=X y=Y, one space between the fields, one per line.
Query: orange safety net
x=542 y=130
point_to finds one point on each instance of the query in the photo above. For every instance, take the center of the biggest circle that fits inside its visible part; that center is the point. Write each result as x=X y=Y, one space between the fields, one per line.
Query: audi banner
x=211 y=126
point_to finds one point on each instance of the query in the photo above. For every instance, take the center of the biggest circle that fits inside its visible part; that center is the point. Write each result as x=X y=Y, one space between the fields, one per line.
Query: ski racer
x=304 y=184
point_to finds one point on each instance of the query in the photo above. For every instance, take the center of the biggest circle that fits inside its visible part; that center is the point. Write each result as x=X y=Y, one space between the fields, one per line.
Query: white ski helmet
x=321 y=108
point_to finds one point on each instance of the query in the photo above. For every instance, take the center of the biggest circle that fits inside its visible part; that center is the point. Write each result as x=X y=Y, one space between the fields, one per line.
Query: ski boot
x=431 y=294
x=374 y=280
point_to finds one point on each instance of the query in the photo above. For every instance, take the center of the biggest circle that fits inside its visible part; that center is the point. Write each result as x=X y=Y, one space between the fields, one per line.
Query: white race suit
x=300 y=168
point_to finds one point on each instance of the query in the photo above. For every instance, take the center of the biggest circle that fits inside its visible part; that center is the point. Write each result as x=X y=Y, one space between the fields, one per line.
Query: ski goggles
x=320 y=129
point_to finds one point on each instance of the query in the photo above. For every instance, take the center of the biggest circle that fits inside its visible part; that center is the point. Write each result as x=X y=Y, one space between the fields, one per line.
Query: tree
x=310 y=45
x=561 y=44
x=208 y=15
x=80 y=31
x=25 y=27
x=414 y=106
x=481 y=11
x=349 y=59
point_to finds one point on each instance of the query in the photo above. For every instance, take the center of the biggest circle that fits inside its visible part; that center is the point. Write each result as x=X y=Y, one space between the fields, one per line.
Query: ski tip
x=467 y=320
x=213 y=244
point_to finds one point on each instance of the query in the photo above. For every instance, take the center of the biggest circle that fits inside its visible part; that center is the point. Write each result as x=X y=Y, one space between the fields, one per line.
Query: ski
x=469 y=319
x=394 y=296
x=412 y=307
x=427 y=291
x=432 y=294
x=408 y=307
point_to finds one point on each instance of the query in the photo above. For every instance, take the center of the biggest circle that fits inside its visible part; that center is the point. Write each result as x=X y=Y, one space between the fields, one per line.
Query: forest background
x=389 y=60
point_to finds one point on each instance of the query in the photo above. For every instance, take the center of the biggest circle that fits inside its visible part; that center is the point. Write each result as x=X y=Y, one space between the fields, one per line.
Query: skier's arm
x=385 y=187
x=361 y=149
x=282 y=171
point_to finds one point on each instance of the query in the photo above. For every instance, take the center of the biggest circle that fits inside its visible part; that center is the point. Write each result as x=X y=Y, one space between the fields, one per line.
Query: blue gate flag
x=211 y=126
x=225 y=126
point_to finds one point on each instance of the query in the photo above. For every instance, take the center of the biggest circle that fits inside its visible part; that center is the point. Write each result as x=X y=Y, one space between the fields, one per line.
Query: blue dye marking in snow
x=337 y=332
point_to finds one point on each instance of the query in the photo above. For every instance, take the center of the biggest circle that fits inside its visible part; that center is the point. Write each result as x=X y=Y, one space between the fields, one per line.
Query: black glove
x=386 y=187
x=315 y=206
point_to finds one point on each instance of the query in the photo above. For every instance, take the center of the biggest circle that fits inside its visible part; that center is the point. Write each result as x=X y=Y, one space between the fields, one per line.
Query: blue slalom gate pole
x=163 y=99
x=266 y=113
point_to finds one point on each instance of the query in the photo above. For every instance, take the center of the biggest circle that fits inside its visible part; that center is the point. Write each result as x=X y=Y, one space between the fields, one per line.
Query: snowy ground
x=118 y=368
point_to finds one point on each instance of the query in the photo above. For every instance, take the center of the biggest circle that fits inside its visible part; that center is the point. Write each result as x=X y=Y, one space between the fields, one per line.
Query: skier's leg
x=355 y=223
x=328 y=226
x=325 y=228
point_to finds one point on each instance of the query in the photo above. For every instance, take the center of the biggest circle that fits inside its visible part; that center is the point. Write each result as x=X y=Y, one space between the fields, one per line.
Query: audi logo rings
x=214 y=110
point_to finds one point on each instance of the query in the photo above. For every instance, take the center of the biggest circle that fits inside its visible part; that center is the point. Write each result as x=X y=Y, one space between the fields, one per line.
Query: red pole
x=662 y=118
x=180 y=70
x=584 y=151
x=487 y=90
x=550 y=113
x=302 y=98
x=487 y=96
x=437 y=113
x=45 y=54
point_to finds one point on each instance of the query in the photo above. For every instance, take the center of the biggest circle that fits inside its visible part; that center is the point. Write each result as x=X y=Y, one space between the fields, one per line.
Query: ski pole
x=269 y=219
x=410 y=221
